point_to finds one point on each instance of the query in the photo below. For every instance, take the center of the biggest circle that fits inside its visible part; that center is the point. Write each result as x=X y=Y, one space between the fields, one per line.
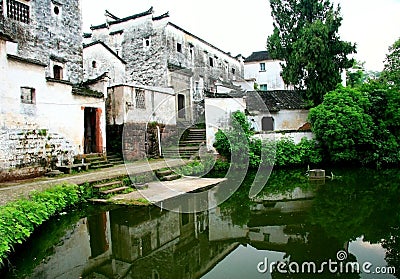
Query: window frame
x=263 y=87
x=211 y=61
x=262 y=67
x=31 y=100
x=179 y=47
x=140 y=99
x=17 y=10
x=59 y=74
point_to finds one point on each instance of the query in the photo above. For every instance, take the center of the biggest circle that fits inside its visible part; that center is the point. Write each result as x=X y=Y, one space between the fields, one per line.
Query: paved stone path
x=158 y=191
x=13 y=190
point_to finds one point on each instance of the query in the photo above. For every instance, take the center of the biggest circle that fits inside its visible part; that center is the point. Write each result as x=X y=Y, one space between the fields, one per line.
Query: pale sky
x=243 y=26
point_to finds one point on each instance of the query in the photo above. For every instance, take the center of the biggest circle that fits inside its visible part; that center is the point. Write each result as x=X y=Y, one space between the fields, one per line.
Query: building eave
x=107 y=48
x=201 y=40
x=26 y=60
x=135 y=16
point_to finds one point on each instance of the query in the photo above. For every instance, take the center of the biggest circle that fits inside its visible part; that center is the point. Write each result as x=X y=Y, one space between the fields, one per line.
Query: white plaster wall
x=218 y=113
x=271 y=76
x=160 y=105
x=284 y=120
x=295 y=136
x=105 y=62
x=56 y=109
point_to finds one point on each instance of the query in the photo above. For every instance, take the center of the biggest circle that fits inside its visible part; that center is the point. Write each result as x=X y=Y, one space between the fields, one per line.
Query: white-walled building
x=47 y=113
x=98 y=59
x=264 y=71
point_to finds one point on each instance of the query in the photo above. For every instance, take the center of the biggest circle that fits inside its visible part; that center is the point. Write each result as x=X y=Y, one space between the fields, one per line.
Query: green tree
x=356 y=75
x=342 y=126
x=306 y=38
x=391 y=71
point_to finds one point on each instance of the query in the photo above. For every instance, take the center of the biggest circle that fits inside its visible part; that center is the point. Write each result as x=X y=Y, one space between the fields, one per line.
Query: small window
x=211 y=62
x=179 y=47
x=262 y=67
x=28 y=95
x=57 y=72
x=94 y=64
x=140 y=99
x=191 y=51
x=17 y=11
x=56 y=10
x=233 y=71
x=263 y=87
x=147 y=42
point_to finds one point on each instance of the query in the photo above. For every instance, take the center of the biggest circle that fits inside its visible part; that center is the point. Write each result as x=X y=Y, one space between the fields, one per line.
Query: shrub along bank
x=18 y=219
x=239 y=147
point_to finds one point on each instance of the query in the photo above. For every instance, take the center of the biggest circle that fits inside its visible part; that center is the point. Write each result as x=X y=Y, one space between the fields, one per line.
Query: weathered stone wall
x=149 y=47
x=195 y=54
x=147 y=65
x=30 y=152
x=135 y=139
x=50 y=35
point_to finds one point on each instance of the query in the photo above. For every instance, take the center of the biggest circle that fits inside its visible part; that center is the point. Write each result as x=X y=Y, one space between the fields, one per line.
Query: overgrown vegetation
x=18 y=219
x=361 y=125
x=241 y=149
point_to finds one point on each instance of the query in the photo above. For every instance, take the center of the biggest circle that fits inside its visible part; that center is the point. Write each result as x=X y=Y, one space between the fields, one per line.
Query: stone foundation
x=137 y=142
x=30 y=153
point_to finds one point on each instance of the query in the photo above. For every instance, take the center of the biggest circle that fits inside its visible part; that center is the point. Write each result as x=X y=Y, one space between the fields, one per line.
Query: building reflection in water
x=152 y=243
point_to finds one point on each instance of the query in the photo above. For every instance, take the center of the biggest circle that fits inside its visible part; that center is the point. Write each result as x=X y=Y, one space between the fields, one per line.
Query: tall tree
x=306 y=38
x=391 y=70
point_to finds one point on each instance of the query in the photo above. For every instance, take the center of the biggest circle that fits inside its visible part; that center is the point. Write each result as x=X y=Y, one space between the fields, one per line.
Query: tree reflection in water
x=301 y=220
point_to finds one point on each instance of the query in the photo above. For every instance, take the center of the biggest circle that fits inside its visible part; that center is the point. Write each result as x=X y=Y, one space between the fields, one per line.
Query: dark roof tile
x=275 y=100
x=258 y=56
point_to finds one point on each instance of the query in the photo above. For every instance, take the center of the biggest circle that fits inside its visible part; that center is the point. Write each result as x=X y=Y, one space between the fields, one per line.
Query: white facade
x=141 y=104
x=32 y=103
x=265 y=71
x=98 y=59
x=218 y=113
x=284 y=120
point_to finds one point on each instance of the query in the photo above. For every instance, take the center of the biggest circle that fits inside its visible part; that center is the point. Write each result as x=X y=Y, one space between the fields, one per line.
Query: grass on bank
x=18 y=219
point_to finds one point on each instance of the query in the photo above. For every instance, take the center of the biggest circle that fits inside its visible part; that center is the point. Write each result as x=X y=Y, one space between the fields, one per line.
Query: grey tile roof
x=275 y=100
x=258 y=56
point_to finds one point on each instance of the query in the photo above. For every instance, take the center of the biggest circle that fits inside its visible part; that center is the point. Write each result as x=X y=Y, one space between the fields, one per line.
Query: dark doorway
x=267 y=123
x=92 y=140
x=181 y=106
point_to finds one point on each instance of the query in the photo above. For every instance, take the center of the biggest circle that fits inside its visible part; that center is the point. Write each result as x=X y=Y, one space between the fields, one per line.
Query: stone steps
x=114 y=190
x=108 y=184
x=170 y=177
x=111 y=187
x=167 y=175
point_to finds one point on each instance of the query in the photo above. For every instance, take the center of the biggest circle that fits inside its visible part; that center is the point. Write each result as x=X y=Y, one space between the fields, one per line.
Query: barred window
x=17 y=11
x=28 y=95
x=140 y=99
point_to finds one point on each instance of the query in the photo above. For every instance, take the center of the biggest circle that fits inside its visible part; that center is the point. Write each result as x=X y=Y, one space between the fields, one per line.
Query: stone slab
x=163 y=190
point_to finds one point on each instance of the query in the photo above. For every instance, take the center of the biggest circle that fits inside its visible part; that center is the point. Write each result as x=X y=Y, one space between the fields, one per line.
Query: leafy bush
x=281 y=153
x=359 y=125
x=18 y=219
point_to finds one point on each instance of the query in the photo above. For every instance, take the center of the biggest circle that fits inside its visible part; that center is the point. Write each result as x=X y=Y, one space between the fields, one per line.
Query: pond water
x=323 y=229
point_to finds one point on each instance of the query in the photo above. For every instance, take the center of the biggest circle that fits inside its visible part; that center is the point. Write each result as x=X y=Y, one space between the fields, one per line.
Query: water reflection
x=358 y=214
